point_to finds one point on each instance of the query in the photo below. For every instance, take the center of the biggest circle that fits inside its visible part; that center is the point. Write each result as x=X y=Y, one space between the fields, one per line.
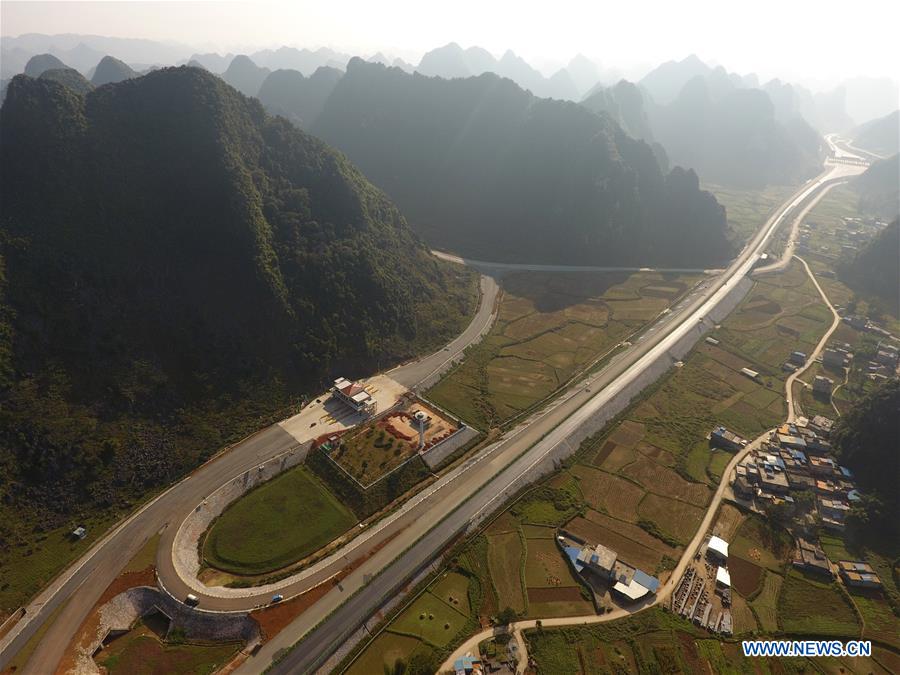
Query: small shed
x=723 y=578
x=718 y=547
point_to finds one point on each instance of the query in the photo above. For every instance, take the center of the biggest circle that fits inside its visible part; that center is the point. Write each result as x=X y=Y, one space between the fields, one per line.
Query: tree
x=507 y=616
x=399 y=668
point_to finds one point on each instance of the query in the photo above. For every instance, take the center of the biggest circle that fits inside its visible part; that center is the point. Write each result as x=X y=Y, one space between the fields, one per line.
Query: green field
x=808 y=607
x=384 y=652
x=505 y=562
x=549 y=326
x=881 y=623
x=765 y=605
x=138 y=653
x=761 y=543
x=430 y=619
x=275 y=525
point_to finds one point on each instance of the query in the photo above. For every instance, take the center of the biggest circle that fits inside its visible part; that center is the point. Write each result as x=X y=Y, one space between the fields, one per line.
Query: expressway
x=325 y=625
x=437 y=516
x=83 y=582
x=666 y=590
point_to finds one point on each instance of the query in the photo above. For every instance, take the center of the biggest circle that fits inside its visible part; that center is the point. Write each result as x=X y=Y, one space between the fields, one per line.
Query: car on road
x=278 y=597
x=191 y=600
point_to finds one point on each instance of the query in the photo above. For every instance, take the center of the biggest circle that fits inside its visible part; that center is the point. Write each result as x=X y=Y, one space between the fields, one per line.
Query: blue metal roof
x=645 y=580
x=573 y=552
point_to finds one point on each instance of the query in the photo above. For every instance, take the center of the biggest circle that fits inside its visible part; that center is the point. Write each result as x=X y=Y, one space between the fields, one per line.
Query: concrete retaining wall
x=436 y=454
x=120 y=613
x=185 y=552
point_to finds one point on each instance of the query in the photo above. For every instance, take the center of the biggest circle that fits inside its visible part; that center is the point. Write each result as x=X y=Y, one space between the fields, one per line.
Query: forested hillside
x=300 y=99
x=483 y=167
x=176 y=267
x=867 y=439
x=875 y=270
x=879 y=188
x=881 y=136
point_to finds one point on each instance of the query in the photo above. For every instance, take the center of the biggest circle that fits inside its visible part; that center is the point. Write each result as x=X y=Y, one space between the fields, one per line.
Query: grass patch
x=765 y=605
x=430 y=619
x=275 y=525
x=380 y=446
x=505 y=556
x=762 y=543
x=145 y=655
x=144 y=558
x=453 y=589
x=810 y=608
x=384 y=652
x=20 y=660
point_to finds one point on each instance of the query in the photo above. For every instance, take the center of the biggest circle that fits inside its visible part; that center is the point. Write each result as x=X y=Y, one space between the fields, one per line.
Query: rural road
x=470 y=645
x=811 y=358
x=481 y=488
x=440 y=517
x=83 y=582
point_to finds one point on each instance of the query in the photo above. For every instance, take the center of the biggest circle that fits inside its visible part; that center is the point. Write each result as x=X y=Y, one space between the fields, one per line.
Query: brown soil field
x=628 y=433
x=745 y=576
x=676 y=518
x=609 y=493
x=621 y=540
x=658 y=455
x=561 y=594
x=666 y=482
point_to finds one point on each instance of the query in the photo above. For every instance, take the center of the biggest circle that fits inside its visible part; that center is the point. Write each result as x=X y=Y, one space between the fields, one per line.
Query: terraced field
x=549 y=327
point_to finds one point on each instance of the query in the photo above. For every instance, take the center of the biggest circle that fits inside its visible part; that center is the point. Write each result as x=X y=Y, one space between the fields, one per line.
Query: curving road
x=438 y=515
x=471 y=644
x=86 y=579
x=324 y=626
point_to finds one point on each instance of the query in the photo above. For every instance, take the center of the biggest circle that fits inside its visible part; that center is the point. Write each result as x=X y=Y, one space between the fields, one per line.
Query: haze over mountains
x=861 y=98
x=725 y=126
x=484 y=167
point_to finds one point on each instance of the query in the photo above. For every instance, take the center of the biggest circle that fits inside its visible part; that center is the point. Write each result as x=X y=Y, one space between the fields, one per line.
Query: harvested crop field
x=666 y=482
x=549 y=326
x=545 y=566
x=630 y=542
x=605 y=492
x=810 y=608
x=561 y=594
x=675 y=518
x=612 y=457
x=505 y=563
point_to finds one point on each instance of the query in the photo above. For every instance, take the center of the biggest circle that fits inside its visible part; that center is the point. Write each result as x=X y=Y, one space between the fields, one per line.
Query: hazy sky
x=797 y=39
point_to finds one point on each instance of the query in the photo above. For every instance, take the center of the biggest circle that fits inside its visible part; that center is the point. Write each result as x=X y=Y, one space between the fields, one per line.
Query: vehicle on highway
x=278 y=597
x=191 y=600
